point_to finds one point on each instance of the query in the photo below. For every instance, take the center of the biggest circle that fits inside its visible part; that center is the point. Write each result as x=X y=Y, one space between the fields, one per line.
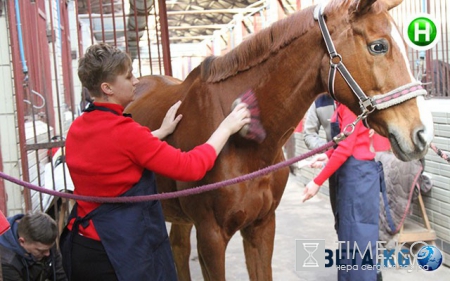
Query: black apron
x=134 y=235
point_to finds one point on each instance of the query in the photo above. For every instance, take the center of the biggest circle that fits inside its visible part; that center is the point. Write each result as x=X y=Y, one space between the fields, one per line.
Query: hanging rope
x=391 y=223
x=439 y=152
x=414 y=185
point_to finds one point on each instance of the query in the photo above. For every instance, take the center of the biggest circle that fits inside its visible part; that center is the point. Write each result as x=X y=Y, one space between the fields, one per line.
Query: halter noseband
x=367 y=104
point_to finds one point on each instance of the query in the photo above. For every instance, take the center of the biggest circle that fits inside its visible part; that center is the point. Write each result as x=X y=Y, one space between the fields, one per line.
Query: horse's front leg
x=258 y=241
x=180 y=240
x=211 y=246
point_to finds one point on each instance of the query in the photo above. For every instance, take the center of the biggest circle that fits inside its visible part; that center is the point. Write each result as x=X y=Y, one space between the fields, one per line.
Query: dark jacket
x=17 y=265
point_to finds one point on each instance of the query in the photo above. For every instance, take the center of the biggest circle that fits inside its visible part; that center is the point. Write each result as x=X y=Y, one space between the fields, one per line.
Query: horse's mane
x=376 y=7
x=259 y=47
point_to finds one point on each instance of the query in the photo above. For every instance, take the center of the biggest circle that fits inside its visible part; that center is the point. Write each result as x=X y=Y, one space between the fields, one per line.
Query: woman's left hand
x=319 y=161
x=169 y=122
x=310 y=191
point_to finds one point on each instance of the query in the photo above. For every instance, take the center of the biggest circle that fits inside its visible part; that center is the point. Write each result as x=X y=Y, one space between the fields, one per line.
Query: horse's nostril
x=420 y=139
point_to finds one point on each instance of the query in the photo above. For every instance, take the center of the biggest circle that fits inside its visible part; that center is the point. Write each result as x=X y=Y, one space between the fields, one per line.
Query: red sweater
x=356 y=145
x=107 y=153
x=4 y=224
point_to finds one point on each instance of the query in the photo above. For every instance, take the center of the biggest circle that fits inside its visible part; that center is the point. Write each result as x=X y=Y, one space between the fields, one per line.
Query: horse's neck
x=292 y=85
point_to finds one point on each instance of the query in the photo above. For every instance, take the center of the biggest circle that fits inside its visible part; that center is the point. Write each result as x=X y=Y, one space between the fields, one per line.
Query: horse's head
x=373 y=51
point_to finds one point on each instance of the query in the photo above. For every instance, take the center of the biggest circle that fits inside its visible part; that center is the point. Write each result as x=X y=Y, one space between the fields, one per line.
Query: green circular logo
x=422 y=32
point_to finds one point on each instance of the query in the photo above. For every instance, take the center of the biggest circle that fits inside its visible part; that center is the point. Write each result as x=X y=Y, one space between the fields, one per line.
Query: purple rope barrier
x=174 y=194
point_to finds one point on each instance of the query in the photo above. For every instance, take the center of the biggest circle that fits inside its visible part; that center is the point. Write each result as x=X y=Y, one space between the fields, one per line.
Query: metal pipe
x=101 y=20
x=125 y=33
x=135 y=24
x=19 y=34
x=58 y=11
x=158 y=45
x=113 y=22
x=90 y=21
x=20 y=89
x=165 y=37
x=148 y=36
x=2 y=191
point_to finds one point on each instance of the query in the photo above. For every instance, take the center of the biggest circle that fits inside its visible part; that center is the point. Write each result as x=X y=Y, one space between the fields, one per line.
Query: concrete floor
x=310 y=220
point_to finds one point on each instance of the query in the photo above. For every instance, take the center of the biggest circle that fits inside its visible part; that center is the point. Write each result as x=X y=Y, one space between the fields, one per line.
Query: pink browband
x=398 y=95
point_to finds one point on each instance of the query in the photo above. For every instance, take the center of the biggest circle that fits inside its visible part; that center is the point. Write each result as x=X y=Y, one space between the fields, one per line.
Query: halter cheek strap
x=367 y=104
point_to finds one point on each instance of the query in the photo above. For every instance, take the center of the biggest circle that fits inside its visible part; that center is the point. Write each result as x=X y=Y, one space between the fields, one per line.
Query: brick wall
x=437 y=201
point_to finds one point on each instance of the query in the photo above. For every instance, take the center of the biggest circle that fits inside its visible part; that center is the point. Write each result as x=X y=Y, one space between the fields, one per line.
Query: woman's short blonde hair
x=102 y=63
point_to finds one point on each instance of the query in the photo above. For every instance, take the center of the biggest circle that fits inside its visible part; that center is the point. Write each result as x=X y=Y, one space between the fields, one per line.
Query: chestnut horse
x=287 y=66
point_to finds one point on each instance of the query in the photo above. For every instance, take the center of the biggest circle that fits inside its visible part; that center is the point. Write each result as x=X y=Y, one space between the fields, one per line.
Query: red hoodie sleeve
x=164 y=159
x=4 y=224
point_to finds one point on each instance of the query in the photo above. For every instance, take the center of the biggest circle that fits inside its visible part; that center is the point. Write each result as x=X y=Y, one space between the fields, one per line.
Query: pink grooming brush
x=254 y=130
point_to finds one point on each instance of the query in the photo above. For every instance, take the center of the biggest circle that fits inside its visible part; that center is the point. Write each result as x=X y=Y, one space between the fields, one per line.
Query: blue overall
x=134 y=236
x=358 y=185
x=358 y=203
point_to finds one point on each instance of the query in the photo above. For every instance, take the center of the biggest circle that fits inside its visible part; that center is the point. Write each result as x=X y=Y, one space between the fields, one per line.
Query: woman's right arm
x=160 y=157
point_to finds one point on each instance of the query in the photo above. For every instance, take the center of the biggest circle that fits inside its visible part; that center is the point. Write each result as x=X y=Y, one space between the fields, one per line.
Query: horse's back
x=151 y=83
x=155 y=94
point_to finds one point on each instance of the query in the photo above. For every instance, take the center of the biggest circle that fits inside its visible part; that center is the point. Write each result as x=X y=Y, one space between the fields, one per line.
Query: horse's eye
x=378 y=48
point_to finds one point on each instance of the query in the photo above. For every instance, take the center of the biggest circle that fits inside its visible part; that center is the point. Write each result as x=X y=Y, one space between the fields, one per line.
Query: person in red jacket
x=358 y=184
x=109 y=154
x=4 y=224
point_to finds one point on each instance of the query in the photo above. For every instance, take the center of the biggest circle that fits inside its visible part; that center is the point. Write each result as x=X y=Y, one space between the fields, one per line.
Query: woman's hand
x=310 y=191
x=169 y=122
x=319 y=161
x=239 y=117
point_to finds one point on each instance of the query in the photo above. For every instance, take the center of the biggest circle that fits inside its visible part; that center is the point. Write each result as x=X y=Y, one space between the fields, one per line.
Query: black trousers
x=90 y=261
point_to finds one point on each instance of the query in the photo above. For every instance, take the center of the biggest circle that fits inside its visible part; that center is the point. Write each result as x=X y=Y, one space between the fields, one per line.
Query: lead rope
x=439 y=152
x=175 y=194
x=348 y=130
x=415 y=184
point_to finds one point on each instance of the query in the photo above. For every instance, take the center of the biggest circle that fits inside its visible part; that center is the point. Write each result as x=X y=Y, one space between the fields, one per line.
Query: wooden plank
x=428 y=235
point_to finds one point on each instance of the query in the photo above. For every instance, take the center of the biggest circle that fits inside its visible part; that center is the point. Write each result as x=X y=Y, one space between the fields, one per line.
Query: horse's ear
x=392 y=3
x=362 y=6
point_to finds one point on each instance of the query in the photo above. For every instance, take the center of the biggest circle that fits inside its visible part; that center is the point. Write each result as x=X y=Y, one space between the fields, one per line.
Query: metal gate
x=46 y=39
x=431 y=67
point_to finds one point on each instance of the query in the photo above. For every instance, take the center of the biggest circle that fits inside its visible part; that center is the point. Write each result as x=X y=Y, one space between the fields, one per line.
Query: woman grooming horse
x=109 y=154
